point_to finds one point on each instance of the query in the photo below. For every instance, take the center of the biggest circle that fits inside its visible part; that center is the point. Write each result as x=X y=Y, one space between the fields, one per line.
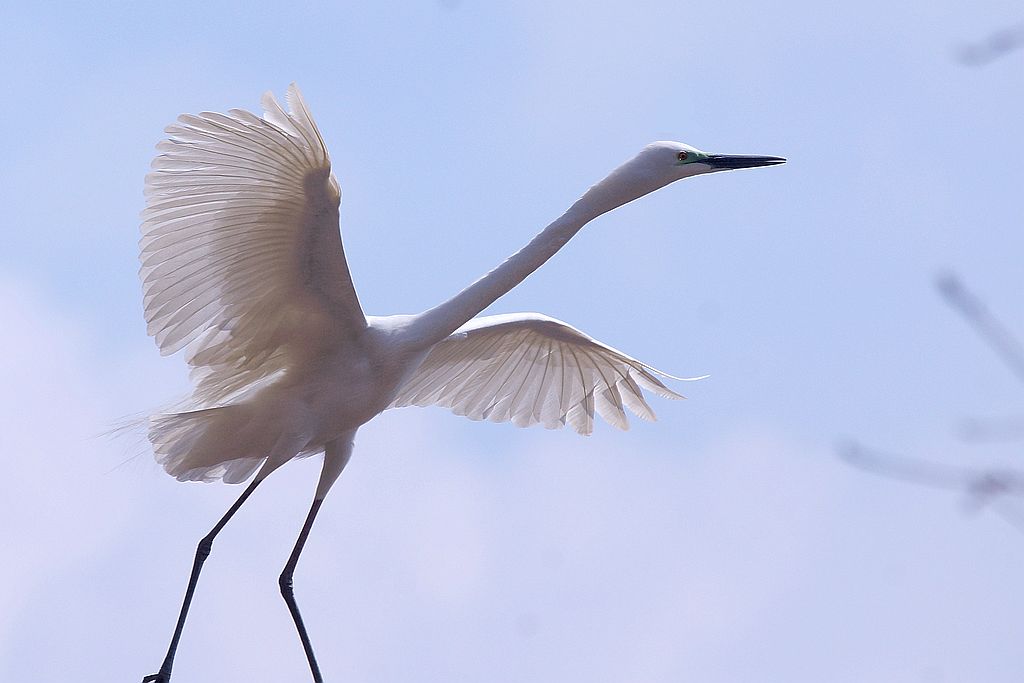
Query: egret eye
x=682 y=155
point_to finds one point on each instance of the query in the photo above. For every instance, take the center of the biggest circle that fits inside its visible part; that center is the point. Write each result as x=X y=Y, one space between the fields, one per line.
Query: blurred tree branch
x=997 y=44
x=984 y=487
x=980 y=429
x=1006 y=345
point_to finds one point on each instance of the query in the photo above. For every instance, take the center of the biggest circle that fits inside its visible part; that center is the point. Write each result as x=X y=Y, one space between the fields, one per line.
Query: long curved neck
x=615 y=190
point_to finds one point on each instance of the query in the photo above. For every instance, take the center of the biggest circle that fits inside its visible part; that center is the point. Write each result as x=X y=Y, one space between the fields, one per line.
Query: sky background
x=725 y=543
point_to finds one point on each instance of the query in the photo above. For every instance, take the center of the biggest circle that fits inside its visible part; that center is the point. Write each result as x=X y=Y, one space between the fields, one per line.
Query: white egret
x=243 y=266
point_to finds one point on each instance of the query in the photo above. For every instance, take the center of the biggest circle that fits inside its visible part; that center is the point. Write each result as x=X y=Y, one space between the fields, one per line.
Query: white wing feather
x=527 y=368
x=241 y=252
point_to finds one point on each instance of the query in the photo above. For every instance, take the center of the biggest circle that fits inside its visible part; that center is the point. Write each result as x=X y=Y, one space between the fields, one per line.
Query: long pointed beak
x=728 y=162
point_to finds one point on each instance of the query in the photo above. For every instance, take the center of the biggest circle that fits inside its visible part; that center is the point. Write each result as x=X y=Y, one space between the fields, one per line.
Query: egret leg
x=336 y=456
x=285 y=582
x=202 y=552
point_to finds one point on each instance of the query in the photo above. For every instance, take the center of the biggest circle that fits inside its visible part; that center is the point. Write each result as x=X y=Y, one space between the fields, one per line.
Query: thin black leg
x=285 y=581
x=202 y=552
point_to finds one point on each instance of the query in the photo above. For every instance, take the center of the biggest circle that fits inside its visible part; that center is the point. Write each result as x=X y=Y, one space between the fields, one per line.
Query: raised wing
x=527 y=368
x=241 y=251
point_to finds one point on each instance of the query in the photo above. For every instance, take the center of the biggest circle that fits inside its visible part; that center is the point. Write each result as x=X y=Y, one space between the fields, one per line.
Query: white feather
x=241 y=255
x=528 y=368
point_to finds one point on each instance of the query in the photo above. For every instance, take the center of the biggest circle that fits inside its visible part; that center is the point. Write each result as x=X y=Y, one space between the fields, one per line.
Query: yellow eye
x=682 y=155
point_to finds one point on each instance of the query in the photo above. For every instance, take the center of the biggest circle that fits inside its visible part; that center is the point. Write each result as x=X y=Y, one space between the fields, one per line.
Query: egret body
x=243 y=267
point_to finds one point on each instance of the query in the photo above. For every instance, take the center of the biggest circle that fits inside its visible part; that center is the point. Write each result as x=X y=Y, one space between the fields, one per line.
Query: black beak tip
x=728 y=162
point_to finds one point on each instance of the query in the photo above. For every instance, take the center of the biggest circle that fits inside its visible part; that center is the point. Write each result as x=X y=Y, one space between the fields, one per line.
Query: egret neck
x=630 y=181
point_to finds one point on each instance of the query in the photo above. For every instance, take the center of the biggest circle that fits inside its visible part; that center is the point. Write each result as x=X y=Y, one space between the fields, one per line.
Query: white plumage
x=243 y=265
x=527 y=369
x=241 y=253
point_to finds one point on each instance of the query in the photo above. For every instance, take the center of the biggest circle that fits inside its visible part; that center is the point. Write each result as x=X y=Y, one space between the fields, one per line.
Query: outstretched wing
x=241 y=251
x=527 y=368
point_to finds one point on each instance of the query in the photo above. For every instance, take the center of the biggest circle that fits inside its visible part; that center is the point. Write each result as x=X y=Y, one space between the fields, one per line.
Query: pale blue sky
x=723 y=543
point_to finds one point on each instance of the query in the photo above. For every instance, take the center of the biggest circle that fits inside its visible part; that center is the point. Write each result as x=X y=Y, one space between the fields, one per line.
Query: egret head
x=659 y=164
x=676 y=160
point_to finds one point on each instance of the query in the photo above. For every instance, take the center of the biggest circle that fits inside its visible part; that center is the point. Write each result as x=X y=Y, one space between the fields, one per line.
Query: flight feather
x=242 y=259
x=528 y=368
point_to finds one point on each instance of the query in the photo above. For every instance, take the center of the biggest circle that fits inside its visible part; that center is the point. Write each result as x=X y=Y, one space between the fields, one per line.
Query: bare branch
x=1012 y=514
x=981 y=430
x=992 y=47
x=977 y=314
x=906 y=469
x=983 y=486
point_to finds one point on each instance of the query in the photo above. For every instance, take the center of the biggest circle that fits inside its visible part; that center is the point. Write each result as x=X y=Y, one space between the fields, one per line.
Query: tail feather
x=209 y=444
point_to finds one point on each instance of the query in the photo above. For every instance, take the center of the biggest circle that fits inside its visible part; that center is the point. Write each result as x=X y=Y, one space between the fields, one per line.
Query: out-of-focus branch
x=977 y=429
x=905 y=469
x=977 y=314
x=992 y=47
x=983 y=487
x=1001 y=490
x=1011 y=514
